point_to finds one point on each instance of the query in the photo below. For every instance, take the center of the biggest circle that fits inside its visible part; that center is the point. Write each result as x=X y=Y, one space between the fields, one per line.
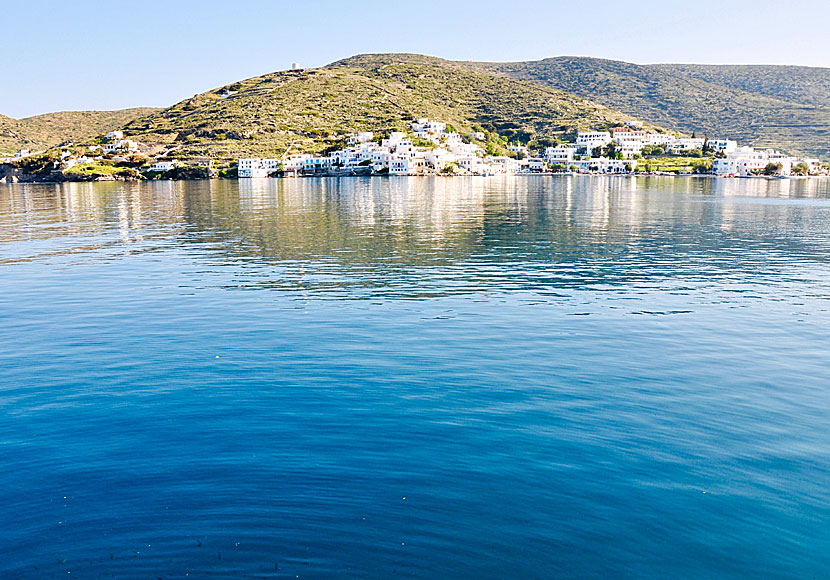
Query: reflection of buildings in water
x=430 y=204
x=258 y=194
x=771 y=187
x=301 y=218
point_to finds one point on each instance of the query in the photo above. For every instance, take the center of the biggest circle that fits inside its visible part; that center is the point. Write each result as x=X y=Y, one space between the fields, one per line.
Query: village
x=431 y=148
x=444 y=152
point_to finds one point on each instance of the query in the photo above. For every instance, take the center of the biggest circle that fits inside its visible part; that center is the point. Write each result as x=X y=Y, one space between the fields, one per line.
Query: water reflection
x=419 y=237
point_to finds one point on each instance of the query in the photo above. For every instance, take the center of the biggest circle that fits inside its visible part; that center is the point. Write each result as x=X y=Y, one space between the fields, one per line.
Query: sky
x=68 y=56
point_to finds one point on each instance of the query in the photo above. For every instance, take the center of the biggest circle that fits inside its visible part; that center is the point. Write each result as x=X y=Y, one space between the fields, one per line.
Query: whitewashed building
x=120 y=145
x=605 y=165
x=257 y=167
x=592 y=139
x=536 y=164
x=723 y=145
x=162 y=166
x=742 y=161
x=561 y=154
x=684 y=145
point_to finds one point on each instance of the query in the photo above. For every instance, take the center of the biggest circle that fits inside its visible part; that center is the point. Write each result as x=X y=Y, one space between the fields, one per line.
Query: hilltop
x=44 y=131
x=535 y=102
x=314 y=110
x=767 y=106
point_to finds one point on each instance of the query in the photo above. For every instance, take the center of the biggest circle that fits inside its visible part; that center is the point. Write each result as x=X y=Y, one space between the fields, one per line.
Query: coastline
x=33 y=180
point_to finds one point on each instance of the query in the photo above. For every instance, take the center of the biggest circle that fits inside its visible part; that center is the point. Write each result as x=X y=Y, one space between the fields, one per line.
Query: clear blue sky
x=71 y=56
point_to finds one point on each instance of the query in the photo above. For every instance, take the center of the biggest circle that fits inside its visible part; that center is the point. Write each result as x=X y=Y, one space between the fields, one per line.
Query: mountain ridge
x=699 y=98
x=50 y=129
x=313 y=110
x=541 y=101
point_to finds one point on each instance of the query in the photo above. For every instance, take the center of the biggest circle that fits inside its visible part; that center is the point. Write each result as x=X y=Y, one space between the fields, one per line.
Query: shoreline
x=347 y=176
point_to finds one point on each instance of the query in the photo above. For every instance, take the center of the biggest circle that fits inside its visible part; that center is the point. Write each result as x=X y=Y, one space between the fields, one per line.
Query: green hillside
x=44 y=131
x=782 y=107
x=794 y=84
x=314 y=110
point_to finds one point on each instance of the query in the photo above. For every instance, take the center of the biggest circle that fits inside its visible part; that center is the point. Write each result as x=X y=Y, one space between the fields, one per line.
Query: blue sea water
x=502 y=378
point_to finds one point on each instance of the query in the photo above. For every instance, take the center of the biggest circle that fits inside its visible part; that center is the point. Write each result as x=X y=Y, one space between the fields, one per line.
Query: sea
x=524 y=377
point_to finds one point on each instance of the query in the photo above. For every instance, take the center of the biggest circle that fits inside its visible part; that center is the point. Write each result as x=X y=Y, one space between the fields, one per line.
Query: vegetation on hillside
x=315 y=110
x=794 y=84
x=535 y=103
x=755 y=105
x=44 y=131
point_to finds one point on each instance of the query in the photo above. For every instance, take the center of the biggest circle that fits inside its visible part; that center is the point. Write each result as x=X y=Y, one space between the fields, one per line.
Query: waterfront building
x=742 y=161
x=162 y=166
x=257 y=167
x=604 y=165
x=561 y=154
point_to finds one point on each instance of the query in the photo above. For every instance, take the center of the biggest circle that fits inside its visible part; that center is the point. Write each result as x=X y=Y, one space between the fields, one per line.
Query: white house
x=604 y=165
x=686 y=144
x=257 y=167
x=471 y=164
x=561 y=154
x=536 y=164
x=162 y=166
x=502 y=165
x=318 y=164
x=592 y=139
x=120 y=145
x=742 y=161
x=426 y=129
x=439 y=158
x=362 y=137
x=723 y=145
x=399 y=165
x=115 y=135
x=519 y=149
x=295 y=162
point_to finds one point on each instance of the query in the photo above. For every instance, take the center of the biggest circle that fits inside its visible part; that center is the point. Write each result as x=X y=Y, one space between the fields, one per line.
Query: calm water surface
x=517 y=378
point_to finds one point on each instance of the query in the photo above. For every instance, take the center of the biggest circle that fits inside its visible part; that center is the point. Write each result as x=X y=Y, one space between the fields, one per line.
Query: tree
x=611 y=151
x=800 y=169
x=773 y=169
x=653 y=150
x=702 y=166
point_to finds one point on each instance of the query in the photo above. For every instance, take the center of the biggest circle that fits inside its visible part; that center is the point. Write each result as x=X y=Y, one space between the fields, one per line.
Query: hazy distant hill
x=44 y=131
x=783 y=107
x=312 y=110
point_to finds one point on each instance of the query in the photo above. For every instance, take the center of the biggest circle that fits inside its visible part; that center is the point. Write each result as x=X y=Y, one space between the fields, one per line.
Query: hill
x=795 y=84
x=44 y=131
x=314 y=110
x=782 y=107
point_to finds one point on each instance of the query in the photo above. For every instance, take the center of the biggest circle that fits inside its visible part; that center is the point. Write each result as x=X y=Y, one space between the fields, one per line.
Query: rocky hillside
x=44 y=131
x=782 y=107
x=314 y=110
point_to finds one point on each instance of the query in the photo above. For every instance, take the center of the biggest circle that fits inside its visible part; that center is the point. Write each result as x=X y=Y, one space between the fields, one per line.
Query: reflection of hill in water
x=418 y=237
